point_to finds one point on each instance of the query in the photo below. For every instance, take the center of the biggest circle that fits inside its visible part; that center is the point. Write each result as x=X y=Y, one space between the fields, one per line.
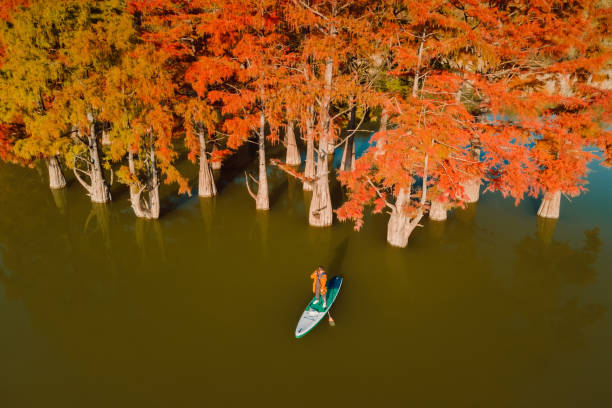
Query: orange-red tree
x=543 y=91
x=239 y=73
x=425 y=155
x=332 y=34
x=461 y=60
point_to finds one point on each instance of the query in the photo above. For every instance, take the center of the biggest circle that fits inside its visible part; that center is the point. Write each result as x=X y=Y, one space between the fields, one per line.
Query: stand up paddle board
x=314 y=313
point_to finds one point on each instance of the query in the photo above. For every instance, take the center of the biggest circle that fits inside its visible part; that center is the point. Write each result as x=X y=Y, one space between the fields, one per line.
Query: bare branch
x=246 y=179
x=79 y=179
x=318 y=13
x=391 y=206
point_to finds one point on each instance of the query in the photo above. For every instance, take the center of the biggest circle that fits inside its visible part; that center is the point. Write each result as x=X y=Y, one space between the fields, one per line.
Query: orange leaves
x=239 y=129
x=209 y=71
x=217 y=156
x=8 y=6
x=173 y=176
x=508 y=93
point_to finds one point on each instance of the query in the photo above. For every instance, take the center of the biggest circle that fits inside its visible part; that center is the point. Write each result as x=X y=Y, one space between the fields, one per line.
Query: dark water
x=490 y=309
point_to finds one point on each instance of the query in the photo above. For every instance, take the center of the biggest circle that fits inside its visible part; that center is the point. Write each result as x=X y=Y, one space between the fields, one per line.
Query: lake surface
x=489 y=309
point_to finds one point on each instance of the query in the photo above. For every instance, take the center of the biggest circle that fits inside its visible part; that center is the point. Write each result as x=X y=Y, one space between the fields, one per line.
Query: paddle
x=331 y=320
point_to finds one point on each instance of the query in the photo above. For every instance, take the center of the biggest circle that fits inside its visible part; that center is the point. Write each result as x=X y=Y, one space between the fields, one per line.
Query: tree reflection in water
x=548 y=275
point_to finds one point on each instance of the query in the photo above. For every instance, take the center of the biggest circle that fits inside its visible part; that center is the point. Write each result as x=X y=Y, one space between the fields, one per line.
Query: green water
x=198 y=309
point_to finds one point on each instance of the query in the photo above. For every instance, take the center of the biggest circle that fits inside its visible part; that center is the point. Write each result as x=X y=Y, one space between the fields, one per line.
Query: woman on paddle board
x=319 y=285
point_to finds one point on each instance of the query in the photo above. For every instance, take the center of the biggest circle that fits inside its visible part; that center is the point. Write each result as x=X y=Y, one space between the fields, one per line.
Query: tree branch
x=79 y=179
x=246 y=179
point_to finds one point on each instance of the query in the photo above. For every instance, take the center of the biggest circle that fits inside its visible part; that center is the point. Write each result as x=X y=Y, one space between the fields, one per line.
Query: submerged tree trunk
x=293 y=154
x=321 y=212
x=145 y=207
x=437 y=212
x=471 y=189
x=154 y=206
x=551 y=205
x=56 y=177
x=262 y=201
x=399 y=227
x=98 y=189
x=348 y=156
x=309 y=170
x=100 y=193
x=206 y=182
x=135 y=188
x=402 y=223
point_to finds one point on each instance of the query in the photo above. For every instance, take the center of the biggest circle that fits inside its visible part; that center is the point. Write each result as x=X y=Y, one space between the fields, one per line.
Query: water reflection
x=150 y=240
x=96 y=293
x=261 y=232
x=98 y=224
x=548 y=276
x=60 y=200
x=546 y=230
x=207 y=210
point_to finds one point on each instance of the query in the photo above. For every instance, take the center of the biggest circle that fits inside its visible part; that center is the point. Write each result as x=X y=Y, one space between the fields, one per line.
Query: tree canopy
x=511 y=96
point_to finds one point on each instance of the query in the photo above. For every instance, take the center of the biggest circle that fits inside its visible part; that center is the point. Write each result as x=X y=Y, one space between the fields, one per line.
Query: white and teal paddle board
x=314 y=313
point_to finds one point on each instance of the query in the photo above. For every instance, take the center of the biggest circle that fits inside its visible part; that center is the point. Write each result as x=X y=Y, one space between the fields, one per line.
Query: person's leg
x=317 y=292
x=324 y=295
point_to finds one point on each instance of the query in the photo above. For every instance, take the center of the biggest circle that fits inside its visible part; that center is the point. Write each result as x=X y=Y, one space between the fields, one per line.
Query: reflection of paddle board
x=314 y=313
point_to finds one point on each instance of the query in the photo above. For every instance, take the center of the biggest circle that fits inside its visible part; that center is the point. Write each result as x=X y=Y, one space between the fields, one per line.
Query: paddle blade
x=331 y=321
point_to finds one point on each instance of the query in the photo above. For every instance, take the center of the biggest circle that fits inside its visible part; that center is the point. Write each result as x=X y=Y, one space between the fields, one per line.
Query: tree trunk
x=437 y=212
x=215 y=165
x=149 y=208
x=551 y=205
x=348 y=156
x=100 y=192
x=262 y=201
x=399 y=227
x=206 y=184
x=401 y=224
x=153 y=183
x=471 y=189
x=56 y=177
x=135 y=189
x=321 y=213
x=309 y=170
x=293 y=154
x=327 y=135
